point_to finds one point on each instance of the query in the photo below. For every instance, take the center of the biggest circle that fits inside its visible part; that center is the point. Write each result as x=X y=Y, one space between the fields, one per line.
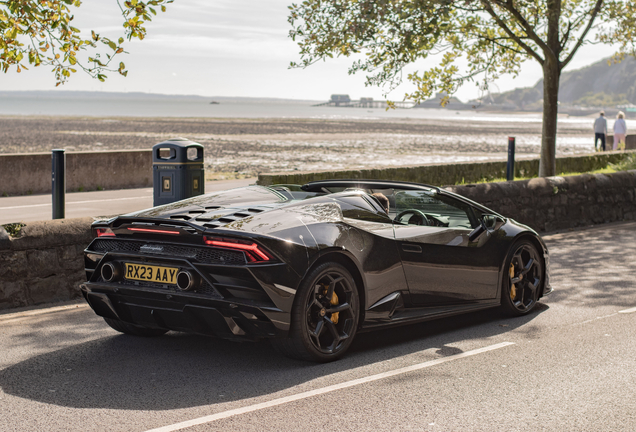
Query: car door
x=442 y=263
x=370 y=237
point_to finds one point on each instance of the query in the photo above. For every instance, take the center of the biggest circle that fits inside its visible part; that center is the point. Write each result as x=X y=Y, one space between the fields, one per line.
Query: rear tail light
x=104 y=232
x=253 y=251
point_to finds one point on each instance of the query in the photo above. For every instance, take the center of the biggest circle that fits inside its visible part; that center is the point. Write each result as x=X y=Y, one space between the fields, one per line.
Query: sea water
x=96 y=104
x=103 y=104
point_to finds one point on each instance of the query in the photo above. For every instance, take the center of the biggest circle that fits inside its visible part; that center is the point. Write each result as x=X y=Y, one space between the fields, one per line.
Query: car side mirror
x=490 y=221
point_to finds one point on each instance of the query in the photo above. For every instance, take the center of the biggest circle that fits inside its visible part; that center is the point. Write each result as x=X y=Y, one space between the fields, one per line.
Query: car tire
x=523 y=278
x=324 y=317
x=131 y=329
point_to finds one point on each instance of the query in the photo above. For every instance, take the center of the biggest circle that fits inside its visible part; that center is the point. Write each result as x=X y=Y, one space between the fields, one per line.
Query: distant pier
x=345 y=101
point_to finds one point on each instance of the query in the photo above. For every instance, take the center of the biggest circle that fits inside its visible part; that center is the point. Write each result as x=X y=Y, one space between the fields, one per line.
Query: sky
x=235 y=48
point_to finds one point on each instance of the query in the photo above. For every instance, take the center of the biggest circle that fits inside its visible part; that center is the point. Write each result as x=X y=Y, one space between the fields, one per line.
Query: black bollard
x=59 y=183
x=510 y=171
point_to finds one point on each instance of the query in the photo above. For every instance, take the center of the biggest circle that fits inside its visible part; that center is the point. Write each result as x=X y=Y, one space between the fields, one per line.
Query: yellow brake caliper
x=333 y=302
x=513 y=288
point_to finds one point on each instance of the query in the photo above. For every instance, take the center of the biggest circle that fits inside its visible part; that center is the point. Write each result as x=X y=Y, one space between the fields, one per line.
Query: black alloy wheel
x=523 y=279
x=325 y=316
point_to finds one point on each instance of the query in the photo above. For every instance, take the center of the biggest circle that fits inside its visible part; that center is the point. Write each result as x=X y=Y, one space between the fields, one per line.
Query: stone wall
x=22 y=174
x=555 y=203
x=449 y=174
x=44 y=263
x=630 y=142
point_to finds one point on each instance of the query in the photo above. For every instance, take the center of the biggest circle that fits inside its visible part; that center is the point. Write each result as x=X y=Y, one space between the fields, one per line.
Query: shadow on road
x=181 y=371
x=594 y=267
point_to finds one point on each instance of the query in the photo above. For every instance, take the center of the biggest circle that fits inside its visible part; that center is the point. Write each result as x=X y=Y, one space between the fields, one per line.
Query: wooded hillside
x=600 y=85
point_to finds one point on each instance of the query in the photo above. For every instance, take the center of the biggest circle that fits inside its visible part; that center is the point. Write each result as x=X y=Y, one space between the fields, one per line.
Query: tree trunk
x=551 y=77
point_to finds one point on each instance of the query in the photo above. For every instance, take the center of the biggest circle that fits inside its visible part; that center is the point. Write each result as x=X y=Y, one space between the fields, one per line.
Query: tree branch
x=527 y=27
x=595 y=11
x=566 y=36
x=494 y=42
x=510 y=33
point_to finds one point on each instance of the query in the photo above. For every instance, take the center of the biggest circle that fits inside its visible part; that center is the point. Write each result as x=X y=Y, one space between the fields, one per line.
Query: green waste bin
x=177 y=170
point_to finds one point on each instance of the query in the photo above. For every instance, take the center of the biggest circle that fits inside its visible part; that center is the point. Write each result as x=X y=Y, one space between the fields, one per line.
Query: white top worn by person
x=620 y=127
x=600 y=125
x=620 y=131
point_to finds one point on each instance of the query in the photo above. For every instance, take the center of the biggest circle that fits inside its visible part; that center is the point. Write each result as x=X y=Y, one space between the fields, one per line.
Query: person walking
x=620 y=131
x=600 y=131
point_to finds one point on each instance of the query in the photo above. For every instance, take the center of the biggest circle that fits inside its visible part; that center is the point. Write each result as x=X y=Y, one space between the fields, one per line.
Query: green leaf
x=41 y=31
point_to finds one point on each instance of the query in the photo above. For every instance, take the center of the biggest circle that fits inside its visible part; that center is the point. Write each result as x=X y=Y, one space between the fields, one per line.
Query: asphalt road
x=30 y=208
x=569 y=366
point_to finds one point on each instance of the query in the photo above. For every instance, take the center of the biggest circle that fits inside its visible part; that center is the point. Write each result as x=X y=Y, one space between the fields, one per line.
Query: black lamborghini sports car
x=310 y=266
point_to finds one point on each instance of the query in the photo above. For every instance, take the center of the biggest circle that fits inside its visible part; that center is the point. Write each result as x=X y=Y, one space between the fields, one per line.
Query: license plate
x=140 y=272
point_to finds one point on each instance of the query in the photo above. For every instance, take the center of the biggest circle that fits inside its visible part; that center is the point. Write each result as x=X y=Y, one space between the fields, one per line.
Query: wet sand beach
x=245 y=147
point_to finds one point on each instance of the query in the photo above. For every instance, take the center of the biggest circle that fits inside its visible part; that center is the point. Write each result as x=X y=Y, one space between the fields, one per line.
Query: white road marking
x=625 y=311
x=594 y=319
x=76 y=202
x=25 y=314
x=328 y=389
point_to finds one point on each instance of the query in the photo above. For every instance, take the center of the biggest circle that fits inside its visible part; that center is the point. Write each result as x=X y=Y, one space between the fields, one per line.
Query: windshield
x=442 y=210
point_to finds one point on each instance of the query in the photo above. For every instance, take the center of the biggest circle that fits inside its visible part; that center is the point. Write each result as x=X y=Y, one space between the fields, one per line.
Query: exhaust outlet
x=110 y=272
x=185 y=281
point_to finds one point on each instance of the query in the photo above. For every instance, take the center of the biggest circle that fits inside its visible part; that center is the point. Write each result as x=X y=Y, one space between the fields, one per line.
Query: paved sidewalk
x=82 y=204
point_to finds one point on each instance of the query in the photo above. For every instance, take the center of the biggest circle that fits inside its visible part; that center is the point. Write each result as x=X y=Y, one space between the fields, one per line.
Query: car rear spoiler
x=157 y=222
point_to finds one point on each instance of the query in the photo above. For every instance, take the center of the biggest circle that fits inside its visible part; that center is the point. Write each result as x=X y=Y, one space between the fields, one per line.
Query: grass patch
x=14 y=229
x=627 y=164
x=606 y=170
